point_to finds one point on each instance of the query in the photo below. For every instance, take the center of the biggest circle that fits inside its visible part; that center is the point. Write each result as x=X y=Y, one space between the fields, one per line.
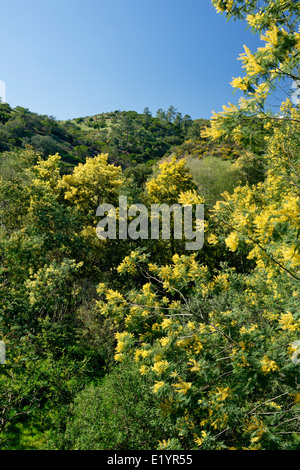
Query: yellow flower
x=245 y=330
x=256 y=426
x=199 y=440
x=239 y=83
x=250 y=64
x=220 y=7
x=287 y=322
x=258 y=436
x=254 y=20
x=195 y=366
x=268 y=365
x=197 y=346
x=191 y=325
x=229 y=5
x=143 y=370
x=164 y=444
x=190 y=197
x=137 y=355
x=119 y=357
x=232 y=241
x=166 y=323
x=140 y=352
x=164 y=341
x=223 y=392
x=182 y=387
x=114 y=295
x=157 y=386
x=274 y=405
x=212 y=239
x=174 y=374
x=160 y=367
x=237 y=134
x=120 y=346
x=271 y=36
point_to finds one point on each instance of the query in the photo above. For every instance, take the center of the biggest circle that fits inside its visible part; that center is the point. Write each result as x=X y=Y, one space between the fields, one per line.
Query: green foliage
x=52 y=290
x=217 y=348
x=271 y=67
x=120 y=413
x=130 y=344
x=37 y=380
x=134 y=138
x=20 y=128
x=214 y=176
x=128 y=137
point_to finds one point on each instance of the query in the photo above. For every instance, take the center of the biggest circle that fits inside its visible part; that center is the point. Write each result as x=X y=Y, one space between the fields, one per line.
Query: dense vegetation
x=128 y=137
x=141 y=344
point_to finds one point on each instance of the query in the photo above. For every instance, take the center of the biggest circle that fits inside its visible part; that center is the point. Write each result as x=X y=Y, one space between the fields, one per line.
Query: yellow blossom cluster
x=267 y=365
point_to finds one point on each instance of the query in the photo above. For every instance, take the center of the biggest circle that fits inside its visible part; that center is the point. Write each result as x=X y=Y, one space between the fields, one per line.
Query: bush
x=121 y=413
x=214 y=176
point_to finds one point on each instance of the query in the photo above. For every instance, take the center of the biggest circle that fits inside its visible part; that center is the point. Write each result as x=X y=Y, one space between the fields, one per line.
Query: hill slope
x=128 y=137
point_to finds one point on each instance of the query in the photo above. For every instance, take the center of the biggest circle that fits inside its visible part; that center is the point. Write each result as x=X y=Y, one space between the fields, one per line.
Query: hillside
x=129 y=138
x=19 y=127
x=136 y=142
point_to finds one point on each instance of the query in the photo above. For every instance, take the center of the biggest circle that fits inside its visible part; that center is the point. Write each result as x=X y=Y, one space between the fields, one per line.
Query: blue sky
x=70 y=58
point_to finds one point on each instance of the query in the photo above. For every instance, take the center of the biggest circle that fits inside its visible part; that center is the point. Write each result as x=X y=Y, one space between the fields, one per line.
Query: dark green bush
x=121 y=413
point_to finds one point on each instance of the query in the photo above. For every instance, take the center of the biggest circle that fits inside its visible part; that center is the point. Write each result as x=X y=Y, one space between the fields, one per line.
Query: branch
x=271 y=399
x=262 y=248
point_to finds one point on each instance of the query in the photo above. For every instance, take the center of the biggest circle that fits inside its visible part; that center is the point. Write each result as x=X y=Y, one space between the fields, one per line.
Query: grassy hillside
x=131 y=138
x=128 y=137
x=20 y=127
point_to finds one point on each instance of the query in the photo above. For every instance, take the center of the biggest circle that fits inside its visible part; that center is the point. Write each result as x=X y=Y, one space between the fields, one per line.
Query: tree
x=161 y=114
x=276 y=61
x=172 y=179
x=44 y=144
x=276 y=64
x=92 y=183
x=220 y=345
x=178 y=119
x=5 y=112
x=171 y=114
x=186 y=122
x=218 y=349
x=147 y=111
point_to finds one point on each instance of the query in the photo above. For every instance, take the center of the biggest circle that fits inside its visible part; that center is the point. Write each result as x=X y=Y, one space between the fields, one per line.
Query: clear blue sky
x=70 y=58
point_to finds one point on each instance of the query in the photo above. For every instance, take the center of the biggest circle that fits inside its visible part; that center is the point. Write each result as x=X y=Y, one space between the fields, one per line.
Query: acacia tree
x=221 y=347
x=173 y=178
x=262 y=215
x=92 y=183
x=271 y=67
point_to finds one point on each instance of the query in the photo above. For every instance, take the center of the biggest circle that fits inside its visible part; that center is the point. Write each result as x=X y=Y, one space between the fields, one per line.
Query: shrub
x=121 y=413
